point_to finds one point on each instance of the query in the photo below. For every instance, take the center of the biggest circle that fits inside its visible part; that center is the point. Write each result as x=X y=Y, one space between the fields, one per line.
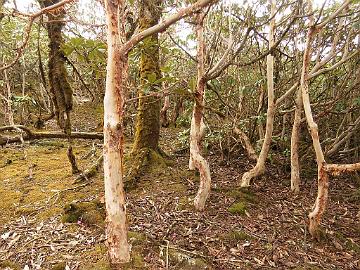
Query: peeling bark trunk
x=197 y=127
x=323 y=178
x=116 y=225
x=260 y=165
x=295 y=165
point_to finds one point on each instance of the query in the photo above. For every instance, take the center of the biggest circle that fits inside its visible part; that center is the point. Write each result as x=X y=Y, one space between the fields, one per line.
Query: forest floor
x=264 y=227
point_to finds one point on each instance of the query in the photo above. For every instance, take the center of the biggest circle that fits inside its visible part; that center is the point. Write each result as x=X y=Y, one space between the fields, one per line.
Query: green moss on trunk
x=148 y=112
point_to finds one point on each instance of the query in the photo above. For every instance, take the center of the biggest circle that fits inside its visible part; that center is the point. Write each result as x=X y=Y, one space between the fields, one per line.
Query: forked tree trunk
x=116 y=225
x=196 y=131
x=260 y=165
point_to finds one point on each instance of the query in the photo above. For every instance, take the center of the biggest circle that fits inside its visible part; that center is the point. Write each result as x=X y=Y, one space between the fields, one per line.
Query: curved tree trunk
x=260 y=165
x=197 y=128
x=323 y=178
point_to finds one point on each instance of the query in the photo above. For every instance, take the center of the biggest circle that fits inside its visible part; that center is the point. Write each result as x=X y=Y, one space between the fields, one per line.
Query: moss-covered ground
x=49 y=221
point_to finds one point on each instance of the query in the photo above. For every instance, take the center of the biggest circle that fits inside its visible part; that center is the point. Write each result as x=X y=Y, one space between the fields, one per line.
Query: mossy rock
x=185 y=262
x=59 y=266
x=9 y=265
x=238 y=208
x=90 y=213
x=235 y=236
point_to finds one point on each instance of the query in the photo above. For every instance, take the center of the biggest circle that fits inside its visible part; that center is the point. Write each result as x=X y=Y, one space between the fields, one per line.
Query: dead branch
x=30 y=135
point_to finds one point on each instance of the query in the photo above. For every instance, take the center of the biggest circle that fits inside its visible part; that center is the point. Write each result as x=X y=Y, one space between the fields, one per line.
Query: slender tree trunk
x=9 y=110
x=323 y=178
x=116 y=225
x=164 y=111
x=196 y=131
x=259 y=121
x=260 y=165
x=178 y=108
x=295 y=165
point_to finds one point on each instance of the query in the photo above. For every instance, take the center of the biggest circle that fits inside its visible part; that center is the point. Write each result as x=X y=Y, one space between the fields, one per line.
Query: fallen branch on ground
x=33 y=135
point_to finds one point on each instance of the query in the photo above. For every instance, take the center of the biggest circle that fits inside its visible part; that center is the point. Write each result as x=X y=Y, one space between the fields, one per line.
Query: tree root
x=92 y=171
x=142 y=161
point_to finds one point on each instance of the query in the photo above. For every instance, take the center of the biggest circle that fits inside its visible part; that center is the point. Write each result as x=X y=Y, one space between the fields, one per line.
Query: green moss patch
x=234 y=237
x=238 y=208
x=9 y=265
x=90 y=213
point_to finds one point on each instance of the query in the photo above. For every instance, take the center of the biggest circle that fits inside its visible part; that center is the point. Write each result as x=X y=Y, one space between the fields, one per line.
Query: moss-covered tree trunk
x=2 y=2
x=59 y=86
x=148 y=112
x=147 y=130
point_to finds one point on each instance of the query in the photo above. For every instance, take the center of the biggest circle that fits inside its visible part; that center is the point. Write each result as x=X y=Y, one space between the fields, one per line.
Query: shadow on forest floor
x=260 y=228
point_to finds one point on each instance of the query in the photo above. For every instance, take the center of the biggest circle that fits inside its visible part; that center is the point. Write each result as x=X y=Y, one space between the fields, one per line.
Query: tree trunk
x=196 y=131
x=58 y=77
x=148 y=112
x=260 y=165
x=164 y=111
x=295 y=166
x=9 y=111
x=116 y=225
x=323 y=178
x=178 y=108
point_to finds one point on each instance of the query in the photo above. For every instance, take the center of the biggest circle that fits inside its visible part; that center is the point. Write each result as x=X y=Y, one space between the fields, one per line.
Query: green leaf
x=151 y=77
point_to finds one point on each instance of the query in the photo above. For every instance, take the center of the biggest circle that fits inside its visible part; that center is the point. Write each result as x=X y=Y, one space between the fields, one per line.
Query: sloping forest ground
x=260 y=228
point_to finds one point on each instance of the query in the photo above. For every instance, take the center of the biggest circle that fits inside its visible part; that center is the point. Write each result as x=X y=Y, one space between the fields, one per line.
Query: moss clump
x=90 y=213
x=243 y=194
x=9 y=265
x=59 y=266
x=99 y=265
x=136 y=262
x=238 y=208
x=355 y=196
x=136 y=238
x=233 y=237
x=348 y=243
